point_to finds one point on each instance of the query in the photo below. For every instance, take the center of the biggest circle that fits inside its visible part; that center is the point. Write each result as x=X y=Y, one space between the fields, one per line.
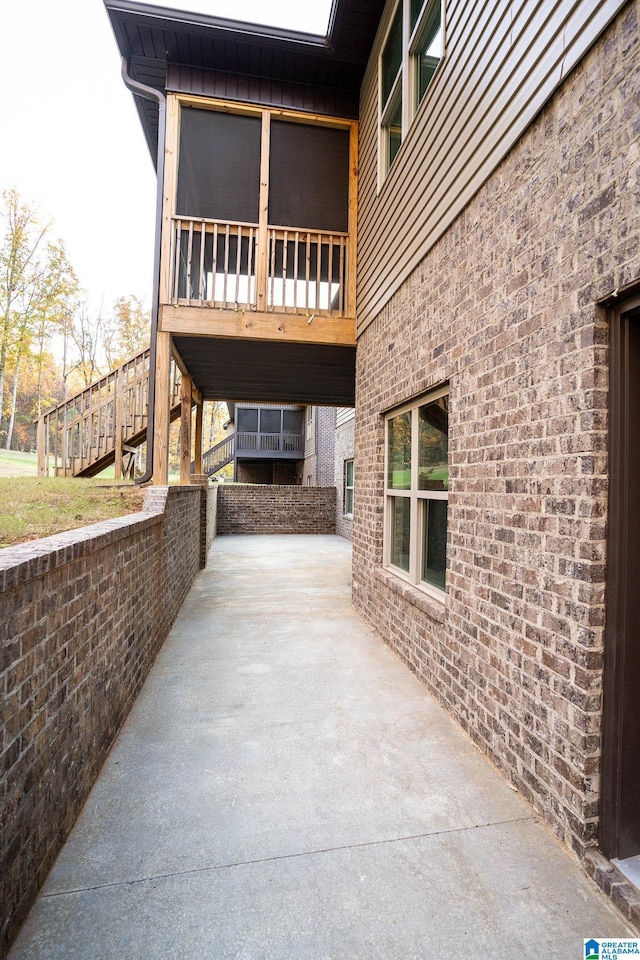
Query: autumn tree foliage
x=36 y=283
x=52 y=342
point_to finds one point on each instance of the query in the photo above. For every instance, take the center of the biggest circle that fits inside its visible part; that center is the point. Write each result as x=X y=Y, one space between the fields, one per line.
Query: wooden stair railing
x=219 y=456
x=104 y=424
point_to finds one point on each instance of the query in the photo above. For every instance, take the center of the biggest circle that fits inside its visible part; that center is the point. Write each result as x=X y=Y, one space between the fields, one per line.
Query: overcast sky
x=70 y=139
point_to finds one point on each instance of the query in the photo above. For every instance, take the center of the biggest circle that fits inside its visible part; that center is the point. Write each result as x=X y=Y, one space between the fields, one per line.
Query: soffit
x=250 y=370
x=150 y=38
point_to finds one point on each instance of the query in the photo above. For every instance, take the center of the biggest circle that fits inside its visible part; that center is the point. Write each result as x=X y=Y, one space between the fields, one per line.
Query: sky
x=71 y=143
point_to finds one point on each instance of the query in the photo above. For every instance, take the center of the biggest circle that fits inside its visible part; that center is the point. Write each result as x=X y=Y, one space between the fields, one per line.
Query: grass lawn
x=33 y=507
x=13 y=463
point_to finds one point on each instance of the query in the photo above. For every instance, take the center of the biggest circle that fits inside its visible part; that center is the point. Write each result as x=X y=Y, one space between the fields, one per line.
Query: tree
x=22 y=235
x=130 y=330
x=36 y=281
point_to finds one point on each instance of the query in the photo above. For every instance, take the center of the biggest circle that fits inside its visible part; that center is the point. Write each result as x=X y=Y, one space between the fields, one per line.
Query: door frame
x=617 y=590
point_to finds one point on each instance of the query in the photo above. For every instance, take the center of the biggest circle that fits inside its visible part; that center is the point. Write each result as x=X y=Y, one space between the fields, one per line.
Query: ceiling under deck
x=264 y=371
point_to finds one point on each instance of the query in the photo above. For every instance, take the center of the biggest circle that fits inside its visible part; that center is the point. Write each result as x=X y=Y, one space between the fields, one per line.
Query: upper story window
x=412 y=50
x=416 y=492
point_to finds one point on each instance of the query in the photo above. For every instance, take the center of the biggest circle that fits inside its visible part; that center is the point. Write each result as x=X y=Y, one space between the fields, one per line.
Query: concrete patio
x=284 y=788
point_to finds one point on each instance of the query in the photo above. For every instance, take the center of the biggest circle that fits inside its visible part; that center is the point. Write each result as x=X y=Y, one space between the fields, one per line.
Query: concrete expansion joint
x=287 y=856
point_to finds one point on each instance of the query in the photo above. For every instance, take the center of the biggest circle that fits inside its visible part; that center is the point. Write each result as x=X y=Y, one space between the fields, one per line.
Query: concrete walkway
x=284 y=788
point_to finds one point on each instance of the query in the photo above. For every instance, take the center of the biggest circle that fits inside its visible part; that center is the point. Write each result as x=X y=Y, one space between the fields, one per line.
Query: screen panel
x=309 y=177
x=219 y=166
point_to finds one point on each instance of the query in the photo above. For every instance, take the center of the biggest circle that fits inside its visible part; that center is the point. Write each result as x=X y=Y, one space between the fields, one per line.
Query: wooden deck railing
x=269 y=443
x=101 y=424
x=218 y=264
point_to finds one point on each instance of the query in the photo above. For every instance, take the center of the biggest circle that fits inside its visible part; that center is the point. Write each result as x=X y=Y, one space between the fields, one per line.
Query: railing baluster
x=226 y=264
x=238 y=264
x=285 y=244
x=306 y=296
x=189 y=258
x=343 y=279
x=272 y=268
x=317 y=304
x=214 y=263
x=177 y=260
x=202 y=286
x=296 y=270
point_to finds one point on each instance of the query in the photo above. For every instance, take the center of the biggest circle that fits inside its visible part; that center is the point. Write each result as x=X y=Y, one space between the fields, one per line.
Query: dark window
x=270 y=421
x=247 y=421
x=219 y=167
x=292 y=421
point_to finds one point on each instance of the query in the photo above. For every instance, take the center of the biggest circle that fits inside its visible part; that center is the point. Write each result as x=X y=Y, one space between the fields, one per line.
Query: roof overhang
x=153 y=39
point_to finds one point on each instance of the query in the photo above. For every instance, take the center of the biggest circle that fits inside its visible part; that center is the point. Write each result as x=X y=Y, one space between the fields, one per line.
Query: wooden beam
x=40 y=442
x=254 y=325
x=171 y=154
x=350 y=299
x=196 y=396
x=117 y=429
x=198 y=450
x=185 y=430
x=263 y=222
x=161 y=424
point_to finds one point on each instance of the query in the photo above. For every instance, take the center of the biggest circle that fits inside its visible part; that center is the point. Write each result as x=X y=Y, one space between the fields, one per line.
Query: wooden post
x=117 y=428
x=198 y=450
x=40 y=442
x=185 y=430
x=263 y=232
x=350 y=299
x=161 y=425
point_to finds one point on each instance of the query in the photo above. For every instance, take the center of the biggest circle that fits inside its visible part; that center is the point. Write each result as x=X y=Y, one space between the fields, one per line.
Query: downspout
x=150 y=93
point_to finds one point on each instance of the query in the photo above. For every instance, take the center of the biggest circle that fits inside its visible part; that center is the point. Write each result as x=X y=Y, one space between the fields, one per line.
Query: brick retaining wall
x=83 y=617
x=276 y=509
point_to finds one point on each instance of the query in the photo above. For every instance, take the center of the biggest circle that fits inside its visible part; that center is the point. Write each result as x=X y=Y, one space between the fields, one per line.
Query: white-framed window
x=412 y=49
x=348 y=489
x=417 y=491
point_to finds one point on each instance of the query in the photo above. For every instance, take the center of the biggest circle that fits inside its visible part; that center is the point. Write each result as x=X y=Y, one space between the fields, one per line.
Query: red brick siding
x=276 y=509
x=83 y=617
x=505 y=308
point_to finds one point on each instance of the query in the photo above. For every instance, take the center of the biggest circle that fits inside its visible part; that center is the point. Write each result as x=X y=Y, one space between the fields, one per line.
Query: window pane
x=400 y=532
x=433 y=469
x=247 y=421
x=399 y=452
x=416 y=7
x=434 y=543
x=269 y=421
x=292 y=421
x=429 y=50
x=392 y=55
x=349 y=473
x=394 y=128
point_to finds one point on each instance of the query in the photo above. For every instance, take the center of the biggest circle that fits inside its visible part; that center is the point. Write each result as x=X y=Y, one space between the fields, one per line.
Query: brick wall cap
x=26 y=561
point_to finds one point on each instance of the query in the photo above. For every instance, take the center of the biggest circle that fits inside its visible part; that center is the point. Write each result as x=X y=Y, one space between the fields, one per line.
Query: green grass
x=14 y=463
x=34 y=507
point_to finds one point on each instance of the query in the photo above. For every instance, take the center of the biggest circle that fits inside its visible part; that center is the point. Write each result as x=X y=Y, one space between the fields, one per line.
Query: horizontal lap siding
x=499 y=70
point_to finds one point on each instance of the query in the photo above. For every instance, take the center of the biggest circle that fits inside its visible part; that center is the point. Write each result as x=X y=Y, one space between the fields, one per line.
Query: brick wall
x=83 y=617
x=344 y=450
x=273 y=509
x=505 y=308
x=267 y=471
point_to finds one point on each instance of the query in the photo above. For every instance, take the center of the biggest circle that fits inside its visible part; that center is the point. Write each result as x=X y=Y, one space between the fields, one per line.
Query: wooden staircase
x=219 y=456
x=102 y=425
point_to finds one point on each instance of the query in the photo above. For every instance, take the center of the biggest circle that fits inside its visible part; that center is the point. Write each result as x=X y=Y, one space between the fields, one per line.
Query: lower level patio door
x=620 y=814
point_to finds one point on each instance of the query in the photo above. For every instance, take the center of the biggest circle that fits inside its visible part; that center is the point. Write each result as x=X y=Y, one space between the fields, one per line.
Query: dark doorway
x=620 y=817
